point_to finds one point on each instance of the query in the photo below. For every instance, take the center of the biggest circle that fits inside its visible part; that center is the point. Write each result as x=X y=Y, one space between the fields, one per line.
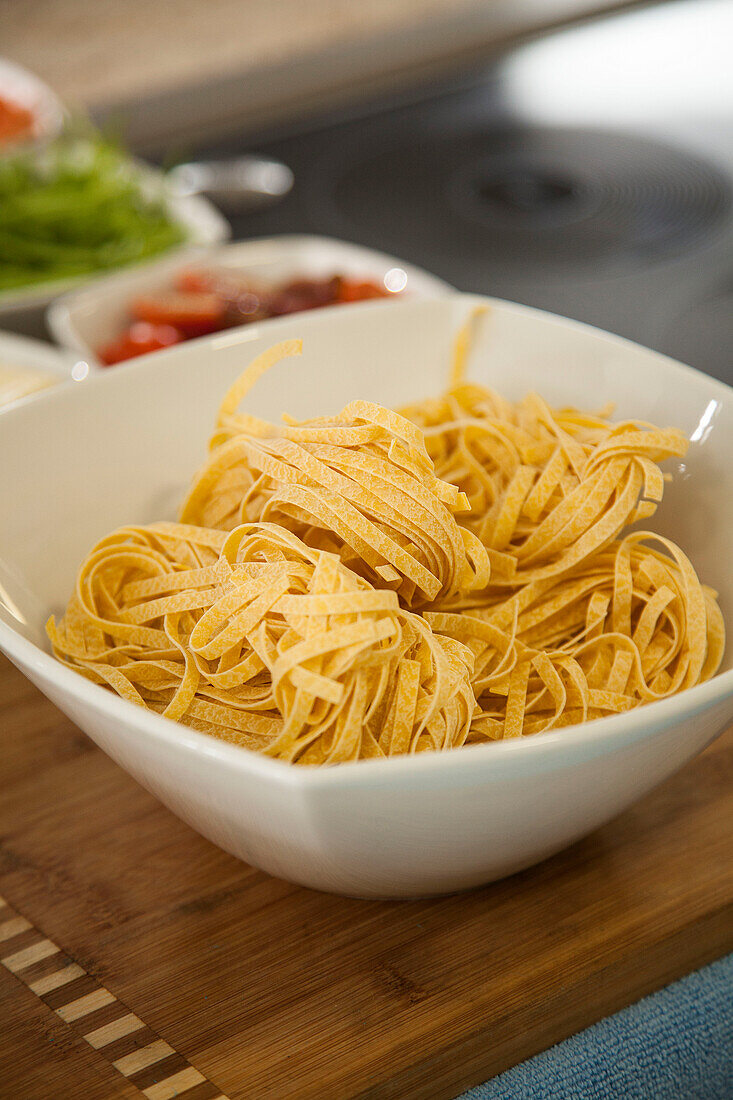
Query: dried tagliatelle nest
x=378 y=583
x=630 y=626
x=261 y=640
x=360 y=484
x=546 y=487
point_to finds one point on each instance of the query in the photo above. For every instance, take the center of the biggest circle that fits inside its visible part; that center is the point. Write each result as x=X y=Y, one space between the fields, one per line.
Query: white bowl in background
x=86 y=319
x=121 y=449
x=202 y=223
x=36 y=355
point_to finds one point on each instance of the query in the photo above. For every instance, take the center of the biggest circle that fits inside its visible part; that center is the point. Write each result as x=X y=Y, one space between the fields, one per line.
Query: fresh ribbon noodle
x=268 y=643
x=380 y=583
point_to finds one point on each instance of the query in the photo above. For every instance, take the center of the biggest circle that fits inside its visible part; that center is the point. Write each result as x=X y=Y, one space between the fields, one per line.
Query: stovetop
x=536 y=180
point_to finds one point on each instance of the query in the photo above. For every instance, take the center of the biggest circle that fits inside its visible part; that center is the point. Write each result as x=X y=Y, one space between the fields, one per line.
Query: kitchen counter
x=178 y=72
x=202 y=970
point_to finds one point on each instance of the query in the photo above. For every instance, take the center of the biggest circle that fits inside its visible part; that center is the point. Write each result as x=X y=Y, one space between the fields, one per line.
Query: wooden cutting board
x=197 y=976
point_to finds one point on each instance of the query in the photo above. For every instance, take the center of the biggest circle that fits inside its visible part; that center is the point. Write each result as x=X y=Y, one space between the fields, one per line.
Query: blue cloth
x=675 y=1045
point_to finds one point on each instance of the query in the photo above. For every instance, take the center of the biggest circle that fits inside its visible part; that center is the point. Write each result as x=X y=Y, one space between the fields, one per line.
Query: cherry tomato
x=351 y=291
x=192 y=314
x=203 y=301
x=139 y=339
x=15 y=121
x=192 y=280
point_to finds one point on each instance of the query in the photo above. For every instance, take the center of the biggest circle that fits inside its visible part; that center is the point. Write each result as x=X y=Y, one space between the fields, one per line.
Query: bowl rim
x=540 y=752
x=36 y=353
x=29 y=354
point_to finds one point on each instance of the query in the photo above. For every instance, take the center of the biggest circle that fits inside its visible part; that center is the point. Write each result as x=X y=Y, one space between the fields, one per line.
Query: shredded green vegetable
x=74 y=209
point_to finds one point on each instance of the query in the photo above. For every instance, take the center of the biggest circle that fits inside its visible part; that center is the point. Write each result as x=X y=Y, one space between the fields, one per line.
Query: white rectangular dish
x=122 y=447
x=85 y=319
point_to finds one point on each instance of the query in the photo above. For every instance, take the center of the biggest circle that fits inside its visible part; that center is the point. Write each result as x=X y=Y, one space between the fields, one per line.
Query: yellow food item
x=16 y=382
x=257 y=638
x=546 y=487
x=360 y=484
x=379 y=583
x=628 y=626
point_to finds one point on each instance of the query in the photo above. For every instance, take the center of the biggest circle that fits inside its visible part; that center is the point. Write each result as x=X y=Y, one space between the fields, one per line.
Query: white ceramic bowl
x=86 y=319
x=202 y=223
x=121 y=449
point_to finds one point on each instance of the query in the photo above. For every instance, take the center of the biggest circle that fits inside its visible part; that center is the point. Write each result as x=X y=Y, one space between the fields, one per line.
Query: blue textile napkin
x=675 y=1045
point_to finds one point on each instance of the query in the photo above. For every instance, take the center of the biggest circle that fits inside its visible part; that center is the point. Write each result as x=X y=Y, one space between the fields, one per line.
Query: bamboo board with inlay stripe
x=140 y=961
x=103 y=1021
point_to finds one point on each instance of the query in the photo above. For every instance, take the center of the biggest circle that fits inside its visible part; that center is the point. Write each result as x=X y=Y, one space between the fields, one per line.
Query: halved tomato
x=352 y=291
x=192 y=314
x=193 y=280
x=139 y=339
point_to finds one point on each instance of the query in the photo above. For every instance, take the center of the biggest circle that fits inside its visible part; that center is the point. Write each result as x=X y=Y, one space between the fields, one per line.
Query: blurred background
x=575 y=155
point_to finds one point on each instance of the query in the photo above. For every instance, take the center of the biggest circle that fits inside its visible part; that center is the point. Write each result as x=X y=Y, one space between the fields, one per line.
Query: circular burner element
x=526 y=191
x=532 y=198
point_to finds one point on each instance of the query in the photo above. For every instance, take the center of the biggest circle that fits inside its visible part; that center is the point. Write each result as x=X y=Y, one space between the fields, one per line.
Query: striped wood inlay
x=97 y=1015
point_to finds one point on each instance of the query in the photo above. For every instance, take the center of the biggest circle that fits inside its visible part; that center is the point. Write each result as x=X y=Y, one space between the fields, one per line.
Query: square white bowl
x=121 y=448
x=86 y=319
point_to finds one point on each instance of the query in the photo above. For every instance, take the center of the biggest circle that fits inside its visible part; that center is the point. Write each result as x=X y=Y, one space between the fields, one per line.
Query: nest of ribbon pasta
x=360 y=484
x=261 y=640
x=378 y=583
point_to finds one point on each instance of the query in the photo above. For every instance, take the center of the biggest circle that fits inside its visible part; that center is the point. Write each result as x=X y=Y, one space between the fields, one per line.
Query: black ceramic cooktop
x=614 y=226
